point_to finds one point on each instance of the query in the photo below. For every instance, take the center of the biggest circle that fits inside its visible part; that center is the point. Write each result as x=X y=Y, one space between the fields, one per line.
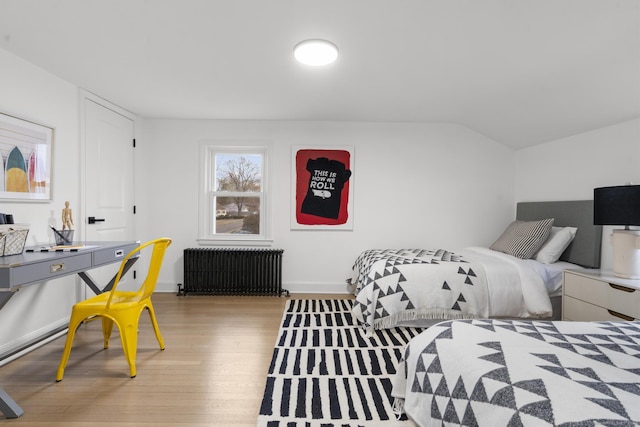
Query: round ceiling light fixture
x=315 y=52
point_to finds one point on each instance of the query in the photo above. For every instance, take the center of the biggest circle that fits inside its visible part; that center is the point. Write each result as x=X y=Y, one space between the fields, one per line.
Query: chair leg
x=129 y=338
x=66 y=352
x=107 y=328
x=154 y=322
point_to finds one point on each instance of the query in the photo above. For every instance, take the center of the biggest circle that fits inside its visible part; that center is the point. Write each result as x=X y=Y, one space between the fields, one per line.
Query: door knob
x=93 y=220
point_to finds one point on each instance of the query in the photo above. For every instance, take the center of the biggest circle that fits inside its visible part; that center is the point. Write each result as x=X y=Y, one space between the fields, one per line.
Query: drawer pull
x=119 y=253
x=621 y=288
x=56 y=268
x=621 y=316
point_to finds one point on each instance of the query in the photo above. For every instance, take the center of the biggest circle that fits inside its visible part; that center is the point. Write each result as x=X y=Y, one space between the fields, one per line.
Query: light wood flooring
x=213 y=371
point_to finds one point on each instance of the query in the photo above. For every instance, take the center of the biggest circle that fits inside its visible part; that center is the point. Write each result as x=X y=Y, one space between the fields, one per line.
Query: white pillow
x=552 y=249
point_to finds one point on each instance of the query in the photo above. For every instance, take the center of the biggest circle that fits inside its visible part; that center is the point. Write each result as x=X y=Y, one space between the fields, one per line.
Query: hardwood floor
x=213 y=371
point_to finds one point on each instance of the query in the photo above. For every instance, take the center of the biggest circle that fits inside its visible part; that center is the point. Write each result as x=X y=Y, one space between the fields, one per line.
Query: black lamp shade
x=616 y=205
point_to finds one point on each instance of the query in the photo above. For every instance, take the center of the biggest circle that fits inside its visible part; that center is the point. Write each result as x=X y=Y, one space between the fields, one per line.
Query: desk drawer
x=44 y=271
x=609 y=296
x=112 y=254
x=576 y=310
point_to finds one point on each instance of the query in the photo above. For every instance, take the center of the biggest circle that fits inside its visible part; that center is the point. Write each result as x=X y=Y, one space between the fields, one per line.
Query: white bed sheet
x=515 y=287
x=551 y=274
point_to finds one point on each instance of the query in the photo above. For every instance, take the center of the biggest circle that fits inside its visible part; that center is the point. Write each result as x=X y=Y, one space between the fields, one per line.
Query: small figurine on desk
x=67 y=218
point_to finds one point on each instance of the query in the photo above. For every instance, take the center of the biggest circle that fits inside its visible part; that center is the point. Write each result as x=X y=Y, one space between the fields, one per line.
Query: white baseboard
x=316 y=288
x=18 y=347
x=294 y=288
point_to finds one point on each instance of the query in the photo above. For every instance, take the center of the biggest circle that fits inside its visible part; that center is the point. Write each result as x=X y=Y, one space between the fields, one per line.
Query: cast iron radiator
x=217 y=271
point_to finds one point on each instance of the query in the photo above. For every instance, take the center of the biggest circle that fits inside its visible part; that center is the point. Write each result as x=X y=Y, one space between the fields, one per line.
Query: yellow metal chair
x=120 y=307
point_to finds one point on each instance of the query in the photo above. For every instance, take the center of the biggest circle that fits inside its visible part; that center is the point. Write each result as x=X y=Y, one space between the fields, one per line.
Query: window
x=234 y=198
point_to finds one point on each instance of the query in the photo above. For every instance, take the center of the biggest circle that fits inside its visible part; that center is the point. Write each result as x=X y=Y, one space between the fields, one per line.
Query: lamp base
x=626 y=253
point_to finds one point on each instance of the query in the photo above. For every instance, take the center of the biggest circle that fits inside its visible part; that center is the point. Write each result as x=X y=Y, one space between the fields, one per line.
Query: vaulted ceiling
x=522 y=72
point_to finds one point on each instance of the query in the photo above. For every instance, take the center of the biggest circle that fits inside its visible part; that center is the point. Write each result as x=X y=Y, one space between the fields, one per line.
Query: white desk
x=36 y=266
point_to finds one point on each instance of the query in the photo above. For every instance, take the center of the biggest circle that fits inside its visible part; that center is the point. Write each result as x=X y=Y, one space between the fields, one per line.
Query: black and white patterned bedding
x=415 y=286
x=522 y=373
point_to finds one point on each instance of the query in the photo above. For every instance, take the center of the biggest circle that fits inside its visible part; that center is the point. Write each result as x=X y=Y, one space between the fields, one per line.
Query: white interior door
x=108 y=178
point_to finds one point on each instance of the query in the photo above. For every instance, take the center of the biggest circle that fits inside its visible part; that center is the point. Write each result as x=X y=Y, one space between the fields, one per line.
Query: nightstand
x=599 y=295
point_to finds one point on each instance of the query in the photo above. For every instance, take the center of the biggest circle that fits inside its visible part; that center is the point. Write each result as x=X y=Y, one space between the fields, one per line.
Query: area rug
x=326 y=372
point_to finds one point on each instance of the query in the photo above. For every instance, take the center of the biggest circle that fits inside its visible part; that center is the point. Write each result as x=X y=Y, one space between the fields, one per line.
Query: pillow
x=522 y=239
x=558 y=240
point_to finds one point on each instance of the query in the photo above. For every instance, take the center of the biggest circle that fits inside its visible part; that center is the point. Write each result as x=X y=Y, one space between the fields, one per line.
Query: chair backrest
x=157 y=255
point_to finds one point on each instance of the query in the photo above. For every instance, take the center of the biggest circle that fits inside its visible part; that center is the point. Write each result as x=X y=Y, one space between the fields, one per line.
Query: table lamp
x=620 y=206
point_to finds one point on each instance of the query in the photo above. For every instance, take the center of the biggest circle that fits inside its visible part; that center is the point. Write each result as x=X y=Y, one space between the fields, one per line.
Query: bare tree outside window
x=234 y=201
x=239 y=176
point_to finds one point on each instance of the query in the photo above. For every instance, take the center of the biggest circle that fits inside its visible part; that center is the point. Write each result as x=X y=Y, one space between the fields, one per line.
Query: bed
x=419 y=287
x=490 y=372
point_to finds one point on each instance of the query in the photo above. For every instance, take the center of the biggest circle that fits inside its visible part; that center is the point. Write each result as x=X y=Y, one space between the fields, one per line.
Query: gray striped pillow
x=522 y=239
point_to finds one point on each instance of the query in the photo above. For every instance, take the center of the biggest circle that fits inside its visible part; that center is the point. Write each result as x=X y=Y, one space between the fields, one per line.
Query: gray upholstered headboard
x=585 y=248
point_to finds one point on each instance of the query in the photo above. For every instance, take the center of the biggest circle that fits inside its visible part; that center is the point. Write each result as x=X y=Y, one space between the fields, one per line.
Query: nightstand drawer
x=576 y=310
x=608 y=296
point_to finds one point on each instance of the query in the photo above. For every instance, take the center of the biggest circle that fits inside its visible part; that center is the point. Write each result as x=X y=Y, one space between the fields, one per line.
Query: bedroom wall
x=415 y=185
x=31 y=93
x=570 y=168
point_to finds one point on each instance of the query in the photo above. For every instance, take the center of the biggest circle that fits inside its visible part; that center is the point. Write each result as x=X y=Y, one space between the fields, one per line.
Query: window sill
x=234 y=242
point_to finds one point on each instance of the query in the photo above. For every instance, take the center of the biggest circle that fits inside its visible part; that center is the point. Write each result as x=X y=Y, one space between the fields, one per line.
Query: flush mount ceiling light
x=315 y=52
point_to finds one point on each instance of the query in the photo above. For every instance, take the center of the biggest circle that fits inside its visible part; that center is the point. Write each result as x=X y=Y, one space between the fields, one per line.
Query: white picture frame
x=26 y=148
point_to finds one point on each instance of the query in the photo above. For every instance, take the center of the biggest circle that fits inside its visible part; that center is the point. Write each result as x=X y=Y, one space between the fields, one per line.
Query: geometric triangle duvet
x=522 y=373
x=415 y=286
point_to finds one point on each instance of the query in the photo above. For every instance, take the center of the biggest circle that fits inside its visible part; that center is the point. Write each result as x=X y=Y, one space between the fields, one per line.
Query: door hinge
x=134 y=143
x=134 y=209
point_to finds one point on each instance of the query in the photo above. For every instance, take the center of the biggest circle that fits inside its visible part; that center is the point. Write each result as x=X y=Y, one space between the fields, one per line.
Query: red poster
x=322 y=186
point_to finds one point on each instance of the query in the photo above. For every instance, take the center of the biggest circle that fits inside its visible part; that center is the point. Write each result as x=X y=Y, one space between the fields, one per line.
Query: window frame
x=207 y=210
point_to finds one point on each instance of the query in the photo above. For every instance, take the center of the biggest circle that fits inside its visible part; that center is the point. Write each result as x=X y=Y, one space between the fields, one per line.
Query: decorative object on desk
x=12 y=239
x=63 y=237
x=62 y=248
x=620 y=205
x=67 y=217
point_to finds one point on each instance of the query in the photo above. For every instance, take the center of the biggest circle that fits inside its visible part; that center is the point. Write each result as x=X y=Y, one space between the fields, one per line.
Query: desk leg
x=89 y=281
x=95 y=288
x=126 y=268
x=5 y=296
x=8 y=406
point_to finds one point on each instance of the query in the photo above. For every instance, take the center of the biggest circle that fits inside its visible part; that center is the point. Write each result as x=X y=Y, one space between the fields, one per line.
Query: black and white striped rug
x=326 y=372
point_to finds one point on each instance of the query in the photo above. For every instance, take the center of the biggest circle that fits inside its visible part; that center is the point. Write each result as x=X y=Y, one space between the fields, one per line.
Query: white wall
x=415 y=185
x=31 y=93
x=570 y=168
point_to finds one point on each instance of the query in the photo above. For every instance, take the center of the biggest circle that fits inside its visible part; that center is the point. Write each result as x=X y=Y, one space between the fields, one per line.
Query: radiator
x=215 y=271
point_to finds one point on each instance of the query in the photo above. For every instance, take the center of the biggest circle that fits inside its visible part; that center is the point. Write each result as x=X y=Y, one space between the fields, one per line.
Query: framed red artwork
x=323 y=188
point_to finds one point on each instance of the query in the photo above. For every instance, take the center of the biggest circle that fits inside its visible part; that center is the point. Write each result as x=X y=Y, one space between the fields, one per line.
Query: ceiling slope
x=520 y=72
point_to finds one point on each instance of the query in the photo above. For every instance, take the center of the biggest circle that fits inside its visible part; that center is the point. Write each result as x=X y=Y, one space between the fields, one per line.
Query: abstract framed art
x=322 y=181
x=27 y=153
